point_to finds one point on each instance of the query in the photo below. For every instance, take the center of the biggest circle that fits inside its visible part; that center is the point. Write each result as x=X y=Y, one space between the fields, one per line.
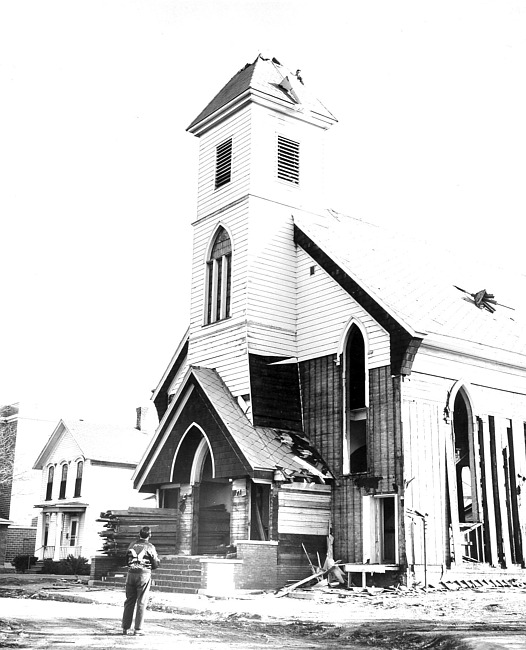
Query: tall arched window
x=63 y=482
x=78 y=479
x=49 y=486
x=218 y=278
x=355 y=402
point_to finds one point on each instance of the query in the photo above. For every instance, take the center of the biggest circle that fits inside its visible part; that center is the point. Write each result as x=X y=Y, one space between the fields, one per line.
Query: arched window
x=49 y=487
x=355 y=402
x=218 y=278
x=63 y=482
x=78 y=479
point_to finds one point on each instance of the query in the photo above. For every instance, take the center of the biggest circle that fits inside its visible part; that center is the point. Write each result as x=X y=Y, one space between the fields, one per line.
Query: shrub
x=23 y=562
x=74 y=566
x=49 y=567
x=70 y=566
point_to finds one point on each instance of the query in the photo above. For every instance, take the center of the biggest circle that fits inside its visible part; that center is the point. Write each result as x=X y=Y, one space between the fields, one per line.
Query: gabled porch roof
x=259 y=450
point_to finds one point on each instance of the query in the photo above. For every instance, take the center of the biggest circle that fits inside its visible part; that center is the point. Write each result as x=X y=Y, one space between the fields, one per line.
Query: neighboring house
x=85 y=469
x=8 y=432
x=22 y=430
x=334 y=375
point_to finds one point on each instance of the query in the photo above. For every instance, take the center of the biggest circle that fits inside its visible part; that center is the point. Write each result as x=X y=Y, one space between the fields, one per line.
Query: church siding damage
x=337 y=393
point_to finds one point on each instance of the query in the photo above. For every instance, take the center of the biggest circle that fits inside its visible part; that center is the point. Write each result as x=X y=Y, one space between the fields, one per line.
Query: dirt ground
x=55 y=612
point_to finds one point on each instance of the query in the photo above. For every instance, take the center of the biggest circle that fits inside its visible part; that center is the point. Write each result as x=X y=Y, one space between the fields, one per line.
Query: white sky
x=98 y=175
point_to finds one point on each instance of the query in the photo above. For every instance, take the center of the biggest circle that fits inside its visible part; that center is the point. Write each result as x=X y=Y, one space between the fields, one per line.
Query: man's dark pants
x=137 y=591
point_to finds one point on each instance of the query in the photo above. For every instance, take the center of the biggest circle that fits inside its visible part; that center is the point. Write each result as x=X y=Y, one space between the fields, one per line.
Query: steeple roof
x=268 y=79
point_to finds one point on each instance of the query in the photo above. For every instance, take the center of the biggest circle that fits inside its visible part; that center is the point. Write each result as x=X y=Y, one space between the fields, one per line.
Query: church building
x=338 y=389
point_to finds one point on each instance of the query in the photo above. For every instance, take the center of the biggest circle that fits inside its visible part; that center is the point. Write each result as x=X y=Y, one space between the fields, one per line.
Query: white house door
x=73 y=531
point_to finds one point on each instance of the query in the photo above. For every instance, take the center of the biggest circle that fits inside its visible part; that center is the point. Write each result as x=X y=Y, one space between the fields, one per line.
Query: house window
x=355 y=408
x=49 y=487
x=223 y=163
x=78 y=479
x=63 y=481
x=218 y=279
x=288 y=160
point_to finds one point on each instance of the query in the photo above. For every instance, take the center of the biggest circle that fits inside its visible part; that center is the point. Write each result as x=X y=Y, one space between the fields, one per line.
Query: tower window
x=288 y=160
x=223 y=163
x=218 y=278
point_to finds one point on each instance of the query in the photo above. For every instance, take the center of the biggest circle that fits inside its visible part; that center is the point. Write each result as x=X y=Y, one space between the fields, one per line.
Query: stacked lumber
x=214 y=530
x=121 y=528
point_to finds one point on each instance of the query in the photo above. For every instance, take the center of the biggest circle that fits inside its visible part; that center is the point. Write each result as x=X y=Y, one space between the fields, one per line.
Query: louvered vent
x=223 y=163
x=288 y=160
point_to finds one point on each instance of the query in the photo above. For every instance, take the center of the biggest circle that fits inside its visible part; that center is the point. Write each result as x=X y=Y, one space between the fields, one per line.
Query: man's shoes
x=124 y=631
x=138 y=633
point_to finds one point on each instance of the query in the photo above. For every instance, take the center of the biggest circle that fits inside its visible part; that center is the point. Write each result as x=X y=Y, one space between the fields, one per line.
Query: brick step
x=175 y=575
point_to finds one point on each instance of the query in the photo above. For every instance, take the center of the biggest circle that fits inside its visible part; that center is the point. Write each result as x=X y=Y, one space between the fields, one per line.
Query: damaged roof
x=432 y=292
x=264 y=76
x=263 y=447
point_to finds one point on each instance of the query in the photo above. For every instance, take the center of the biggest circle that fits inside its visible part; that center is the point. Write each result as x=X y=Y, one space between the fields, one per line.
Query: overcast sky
x=98 y=175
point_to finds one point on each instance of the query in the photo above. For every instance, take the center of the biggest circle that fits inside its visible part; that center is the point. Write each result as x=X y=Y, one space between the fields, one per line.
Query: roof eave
x=173 y=361
x=51 y=442
x=252 y=95
x=150 y=454
x=480 y=351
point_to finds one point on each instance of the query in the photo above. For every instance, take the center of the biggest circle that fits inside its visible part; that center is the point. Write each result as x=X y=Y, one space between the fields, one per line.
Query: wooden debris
x=121 y=528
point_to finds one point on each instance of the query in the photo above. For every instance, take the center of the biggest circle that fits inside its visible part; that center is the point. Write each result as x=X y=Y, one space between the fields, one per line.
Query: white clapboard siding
x=235 y=220
x=66 y=449
x=224 y=348
x=304 y=510
x=452 y=365
x=266 y=126
x=268 y=341
x=272 y=265
x=271 y=290
x=324 y=310
x=238 y=128
x=487 y=398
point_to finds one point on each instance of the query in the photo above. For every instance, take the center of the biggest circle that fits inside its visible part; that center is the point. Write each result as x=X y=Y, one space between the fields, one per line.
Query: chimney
x=141 y=417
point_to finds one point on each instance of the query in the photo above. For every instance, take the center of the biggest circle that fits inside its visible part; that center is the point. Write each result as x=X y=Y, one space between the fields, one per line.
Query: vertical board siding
x=324 y=309
x=275 y=393
x=321 y=394
x=425 y=475
x=321 y=390
x=425 y=432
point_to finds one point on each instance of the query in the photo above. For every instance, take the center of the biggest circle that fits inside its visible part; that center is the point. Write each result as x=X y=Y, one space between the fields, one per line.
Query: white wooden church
x=335 y=377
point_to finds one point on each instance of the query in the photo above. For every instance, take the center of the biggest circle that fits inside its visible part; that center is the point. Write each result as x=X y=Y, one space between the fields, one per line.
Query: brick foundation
x=101 y=565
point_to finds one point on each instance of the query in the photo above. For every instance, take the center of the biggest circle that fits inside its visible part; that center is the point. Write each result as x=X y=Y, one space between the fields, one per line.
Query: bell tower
x=260 y=162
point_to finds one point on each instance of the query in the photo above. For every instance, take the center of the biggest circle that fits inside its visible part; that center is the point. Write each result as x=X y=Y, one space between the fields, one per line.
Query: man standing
x=141 y=558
